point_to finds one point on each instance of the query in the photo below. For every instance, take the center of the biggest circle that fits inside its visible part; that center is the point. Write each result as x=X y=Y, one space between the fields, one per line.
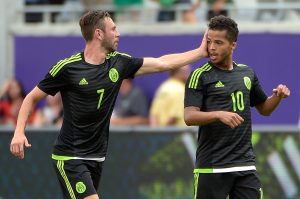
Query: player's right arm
x=173 y=61
x=19 y=139
x=193 y=116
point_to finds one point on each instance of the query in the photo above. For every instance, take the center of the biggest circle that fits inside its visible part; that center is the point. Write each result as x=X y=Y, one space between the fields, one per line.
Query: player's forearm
x=173 y=61
x=169 y=62
x=269 y=105
x=196 y=118
x=24 y=113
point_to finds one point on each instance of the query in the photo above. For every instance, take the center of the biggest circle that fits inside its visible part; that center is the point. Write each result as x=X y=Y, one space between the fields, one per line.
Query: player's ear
x=234 y=44
x=99 y=34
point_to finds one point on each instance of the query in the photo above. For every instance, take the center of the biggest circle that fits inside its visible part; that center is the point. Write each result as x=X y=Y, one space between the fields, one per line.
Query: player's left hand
x=282 y=91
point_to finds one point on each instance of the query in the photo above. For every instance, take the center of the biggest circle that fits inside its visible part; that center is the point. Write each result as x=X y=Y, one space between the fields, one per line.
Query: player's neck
x=226 y=64
x=94 y=54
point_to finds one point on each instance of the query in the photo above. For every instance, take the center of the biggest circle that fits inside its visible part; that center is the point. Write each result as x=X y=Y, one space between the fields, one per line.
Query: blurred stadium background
x=145 y=162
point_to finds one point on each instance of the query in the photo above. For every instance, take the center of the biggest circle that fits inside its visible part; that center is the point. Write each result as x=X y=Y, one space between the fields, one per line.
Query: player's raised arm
x=172 y=61
x=19 y=140
x=266 y=108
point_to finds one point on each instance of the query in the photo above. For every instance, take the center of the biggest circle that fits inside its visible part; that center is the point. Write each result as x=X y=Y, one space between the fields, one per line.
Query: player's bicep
x=37 y=94
x=190 y=114
x=150 y=65
x=191 y=109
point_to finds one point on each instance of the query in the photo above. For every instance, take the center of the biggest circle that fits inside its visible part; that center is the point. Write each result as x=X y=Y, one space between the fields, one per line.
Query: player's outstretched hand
x=282 y=91
x=17 y=145
x=203 y=46
x=232 y=120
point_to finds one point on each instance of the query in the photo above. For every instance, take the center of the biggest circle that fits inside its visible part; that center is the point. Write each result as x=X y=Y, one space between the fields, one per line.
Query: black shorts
x=236 y=185
x=78 y=178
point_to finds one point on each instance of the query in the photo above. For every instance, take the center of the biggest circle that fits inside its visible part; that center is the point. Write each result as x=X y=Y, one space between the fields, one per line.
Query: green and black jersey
x=213 y=89
x=88 y=93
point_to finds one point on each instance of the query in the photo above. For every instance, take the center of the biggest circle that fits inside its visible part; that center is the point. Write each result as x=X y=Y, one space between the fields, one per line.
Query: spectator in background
x=131 y=106
x=12 y=95
x=167 y=106
x=67 y=15
x=217 y=7
x=189 y=16
x=51 y=113
x=166 y=14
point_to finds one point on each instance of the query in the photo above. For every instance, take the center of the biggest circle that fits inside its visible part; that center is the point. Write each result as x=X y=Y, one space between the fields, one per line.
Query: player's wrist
x=217 y=115
x=278 y=96
x=202 y=52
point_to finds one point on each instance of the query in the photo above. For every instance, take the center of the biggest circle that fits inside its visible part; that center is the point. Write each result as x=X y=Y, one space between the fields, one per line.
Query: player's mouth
x=116 y=43
x=213 y=56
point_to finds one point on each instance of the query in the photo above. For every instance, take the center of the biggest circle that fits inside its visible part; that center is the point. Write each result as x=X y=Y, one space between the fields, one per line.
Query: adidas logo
x=83 y=82
x=219 y=84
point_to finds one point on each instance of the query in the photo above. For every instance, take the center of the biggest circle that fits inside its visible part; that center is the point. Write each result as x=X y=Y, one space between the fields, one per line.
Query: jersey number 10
x=238 y=101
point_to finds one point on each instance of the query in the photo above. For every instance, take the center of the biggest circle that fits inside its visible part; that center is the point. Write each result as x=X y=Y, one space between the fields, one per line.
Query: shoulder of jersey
x=196 y=74
x=63 y=63
x=242 y=65
x=115 y=54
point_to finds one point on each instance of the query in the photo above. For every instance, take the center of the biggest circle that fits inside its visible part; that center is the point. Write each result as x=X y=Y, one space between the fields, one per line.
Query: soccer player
x=218 y=97
x=89 y=83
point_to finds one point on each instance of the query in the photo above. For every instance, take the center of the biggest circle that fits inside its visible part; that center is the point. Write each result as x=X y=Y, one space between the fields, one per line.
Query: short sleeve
x=193 y=95
x=132 y=65
x=257 y=95
x=52 y=84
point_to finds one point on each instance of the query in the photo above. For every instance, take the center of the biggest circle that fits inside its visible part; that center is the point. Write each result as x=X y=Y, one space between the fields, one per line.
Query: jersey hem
x=64 y=158
x=224 y=170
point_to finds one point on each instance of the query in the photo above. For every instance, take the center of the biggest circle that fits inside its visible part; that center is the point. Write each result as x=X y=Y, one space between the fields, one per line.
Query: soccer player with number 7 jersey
x=89 y=83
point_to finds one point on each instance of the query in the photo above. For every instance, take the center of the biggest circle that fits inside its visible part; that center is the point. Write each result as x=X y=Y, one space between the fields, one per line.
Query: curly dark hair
x=90 y=21
x=225 y=23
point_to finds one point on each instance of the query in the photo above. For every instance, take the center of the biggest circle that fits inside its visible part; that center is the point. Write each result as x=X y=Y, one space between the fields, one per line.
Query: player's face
x=111 y=35
x=220 y=49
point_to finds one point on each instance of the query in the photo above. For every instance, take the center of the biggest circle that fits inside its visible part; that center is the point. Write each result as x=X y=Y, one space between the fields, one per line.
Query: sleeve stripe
x=124 y=54
x=62 y=63
x=196 y=75
x=112 y=54
x=64 y=60
x=192 y=80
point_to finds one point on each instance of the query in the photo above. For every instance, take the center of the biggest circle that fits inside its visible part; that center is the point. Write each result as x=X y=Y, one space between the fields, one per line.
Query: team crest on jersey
x=113 y=75
x=80 y=187
x=247 y=82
